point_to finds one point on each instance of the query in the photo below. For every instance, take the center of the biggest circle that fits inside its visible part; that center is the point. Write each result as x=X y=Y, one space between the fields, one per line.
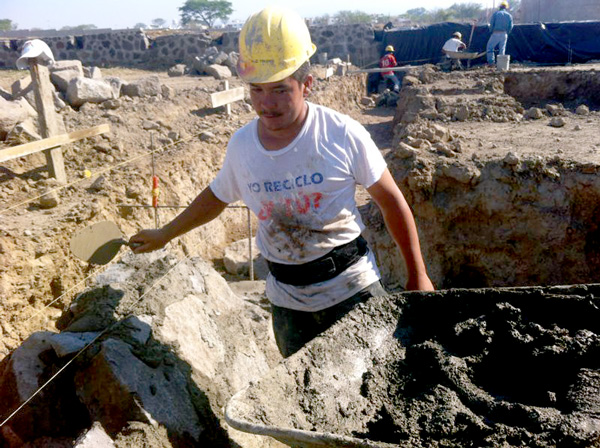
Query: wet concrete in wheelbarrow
x=498 y=367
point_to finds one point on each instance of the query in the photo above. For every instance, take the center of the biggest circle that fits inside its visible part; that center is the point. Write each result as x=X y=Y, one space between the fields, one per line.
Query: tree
x=514 y=4
x=89 y=26
x=416 y=13
x=205 y=12
x=140 y=25
x=440 y=15
x=159 y=23
x=349 y=17
x=7 y=25
x=465 y=11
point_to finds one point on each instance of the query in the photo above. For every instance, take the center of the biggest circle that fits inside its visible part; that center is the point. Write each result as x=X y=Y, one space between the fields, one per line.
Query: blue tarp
x=550 y=43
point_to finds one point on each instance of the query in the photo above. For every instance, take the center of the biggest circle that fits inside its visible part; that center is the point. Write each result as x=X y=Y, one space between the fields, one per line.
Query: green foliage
x=458 y=12
x=159 y=23
x=140 y=25
x=416 y=13
x=465 y=11
x=205 y=12
x=349 y=17
x=7 y=25
x=514 y=4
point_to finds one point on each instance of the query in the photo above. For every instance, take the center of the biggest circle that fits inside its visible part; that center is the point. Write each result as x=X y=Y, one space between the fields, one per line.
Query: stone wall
x=123 y=47
x=356 y=42
x=131 y=47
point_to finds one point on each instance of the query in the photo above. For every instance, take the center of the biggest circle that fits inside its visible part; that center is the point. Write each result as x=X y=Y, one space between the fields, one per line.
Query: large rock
x=62 y=78
x=218 y=71
x=147 y=86
x=176 y=344
x=13 y=113
x=236 y=259
x=67 y=65
x=177 y=70
x=116 y=84
x=92 y=72
x=85 y=90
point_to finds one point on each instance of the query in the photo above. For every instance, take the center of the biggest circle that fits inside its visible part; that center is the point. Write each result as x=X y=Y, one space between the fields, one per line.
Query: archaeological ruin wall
x=132 y=47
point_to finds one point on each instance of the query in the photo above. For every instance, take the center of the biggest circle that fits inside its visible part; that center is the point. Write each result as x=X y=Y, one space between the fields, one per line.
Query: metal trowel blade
x=98 y=243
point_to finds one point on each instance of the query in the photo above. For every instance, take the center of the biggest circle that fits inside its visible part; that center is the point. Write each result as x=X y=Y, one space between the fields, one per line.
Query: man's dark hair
x=302 y=73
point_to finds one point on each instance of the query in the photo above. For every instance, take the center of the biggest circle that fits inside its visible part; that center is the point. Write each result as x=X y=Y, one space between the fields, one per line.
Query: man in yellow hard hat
x=296 y=167
x=501 y=25
x=388 y=60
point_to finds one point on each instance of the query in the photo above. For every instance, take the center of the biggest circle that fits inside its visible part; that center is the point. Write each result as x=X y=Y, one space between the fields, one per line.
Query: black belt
x=323 y=268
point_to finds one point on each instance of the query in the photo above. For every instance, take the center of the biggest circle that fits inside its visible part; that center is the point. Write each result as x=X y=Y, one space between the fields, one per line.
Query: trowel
x=98 y=243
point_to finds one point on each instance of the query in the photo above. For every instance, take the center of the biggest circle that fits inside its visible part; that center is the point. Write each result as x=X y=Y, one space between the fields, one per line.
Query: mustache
x=268 y=112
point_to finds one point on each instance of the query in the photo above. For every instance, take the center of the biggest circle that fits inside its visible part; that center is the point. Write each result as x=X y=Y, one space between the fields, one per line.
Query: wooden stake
x=14 y=152
x=47 y=119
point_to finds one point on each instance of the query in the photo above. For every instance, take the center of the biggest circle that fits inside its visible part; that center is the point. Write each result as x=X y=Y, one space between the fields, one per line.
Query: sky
x=121 y=14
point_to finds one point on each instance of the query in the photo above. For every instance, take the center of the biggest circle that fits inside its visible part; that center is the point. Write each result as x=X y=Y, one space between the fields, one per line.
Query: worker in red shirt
x=389 y=60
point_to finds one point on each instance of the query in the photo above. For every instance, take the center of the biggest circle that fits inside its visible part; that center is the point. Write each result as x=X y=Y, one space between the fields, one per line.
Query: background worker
x=296 y=167
x=501 y=25
x=453 y=44
x=388 y=60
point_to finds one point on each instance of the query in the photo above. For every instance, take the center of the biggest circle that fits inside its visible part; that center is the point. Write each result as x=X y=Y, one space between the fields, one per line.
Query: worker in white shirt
x=454 y=44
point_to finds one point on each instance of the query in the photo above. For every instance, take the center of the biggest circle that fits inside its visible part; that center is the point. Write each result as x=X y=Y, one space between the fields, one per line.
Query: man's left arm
x=400 y=222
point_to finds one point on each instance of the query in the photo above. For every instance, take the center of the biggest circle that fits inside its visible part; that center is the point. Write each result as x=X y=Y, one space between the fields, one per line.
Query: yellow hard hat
x=457 y=34
x=389 y=48
x=274 y=43
x=504 y=4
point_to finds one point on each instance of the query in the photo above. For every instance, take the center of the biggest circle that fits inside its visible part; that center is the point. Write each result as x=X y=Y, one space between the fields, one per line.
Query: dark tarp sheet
x=551 y=43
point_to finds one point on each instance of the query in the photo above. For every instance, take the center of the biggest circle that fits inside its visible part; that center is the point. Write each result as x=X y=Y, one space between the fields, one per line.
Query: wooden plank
x=52 y=142
x=379 y=70
x=227 y=96
x=48 y=121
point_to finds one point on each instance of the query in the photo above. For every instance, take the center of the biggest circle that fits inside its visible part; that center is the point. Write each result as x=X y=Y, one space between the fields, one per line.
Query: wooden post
x=228 y=104
x=47 y=119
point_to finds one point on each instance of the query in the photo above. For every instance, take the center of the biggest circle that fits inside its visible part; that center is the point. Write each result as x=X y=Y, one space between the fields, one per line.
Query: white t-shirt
x=453 y=44
x=303 y=196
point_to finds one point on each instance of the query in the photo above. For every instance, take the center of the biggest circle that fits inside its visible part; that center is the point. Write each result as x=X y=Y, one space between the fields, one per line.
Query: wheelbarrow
x=460 y=367
x=457 y=56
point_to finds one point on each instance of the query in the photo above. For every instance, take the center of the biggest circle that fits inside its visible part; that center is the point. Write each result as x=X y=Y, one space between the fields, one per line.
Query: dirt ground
x=39 y=276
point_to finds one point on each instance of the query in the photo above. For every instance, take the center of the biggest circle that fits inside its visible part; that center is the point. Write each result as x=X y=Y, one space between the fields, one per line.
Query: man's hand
x=148 y=240
x=400 y=223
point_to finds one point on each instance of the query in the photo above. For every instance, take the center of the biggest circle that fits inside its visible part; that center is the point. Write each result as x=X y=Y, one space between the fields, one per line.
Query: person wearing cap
x=296 y=166
x=388 y=60
x=453 y=44
x=501 y=25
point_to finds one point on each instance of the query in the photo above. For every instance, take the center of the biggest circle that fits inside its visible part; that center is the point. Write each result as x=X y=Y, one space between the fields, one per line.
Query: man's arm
x=203 y=209
x=400 y=223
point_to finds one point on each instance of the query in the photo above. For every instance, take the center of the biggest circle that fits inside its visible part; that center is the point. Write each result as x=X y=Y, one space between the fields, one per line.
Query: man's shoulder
x=331 y=115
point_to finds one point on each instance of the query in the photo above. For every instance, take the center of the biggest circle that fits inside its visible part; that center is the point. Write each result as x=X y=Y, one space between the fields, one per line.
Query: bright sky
x=120 y=14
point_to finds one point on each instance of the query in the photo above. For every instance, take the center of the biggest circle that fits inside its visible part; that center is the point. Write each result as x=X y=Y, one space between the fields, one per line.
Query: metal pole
x=153 y=177
x=250 y=257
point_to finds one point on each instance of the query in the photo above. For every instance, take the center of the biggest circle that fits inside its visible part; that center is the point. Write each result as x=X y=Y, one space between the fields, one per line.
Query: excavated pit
x=500 y=170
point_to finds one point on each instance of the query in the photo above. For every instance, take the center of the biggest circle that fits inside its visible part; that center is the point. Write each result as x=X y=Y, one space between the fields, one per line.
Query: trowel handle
x=127 y=243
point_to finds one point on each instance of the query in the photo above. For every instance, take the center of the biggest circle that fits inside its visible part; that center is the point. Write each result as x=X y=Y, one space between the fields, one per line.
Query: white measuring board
x=227 y=96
